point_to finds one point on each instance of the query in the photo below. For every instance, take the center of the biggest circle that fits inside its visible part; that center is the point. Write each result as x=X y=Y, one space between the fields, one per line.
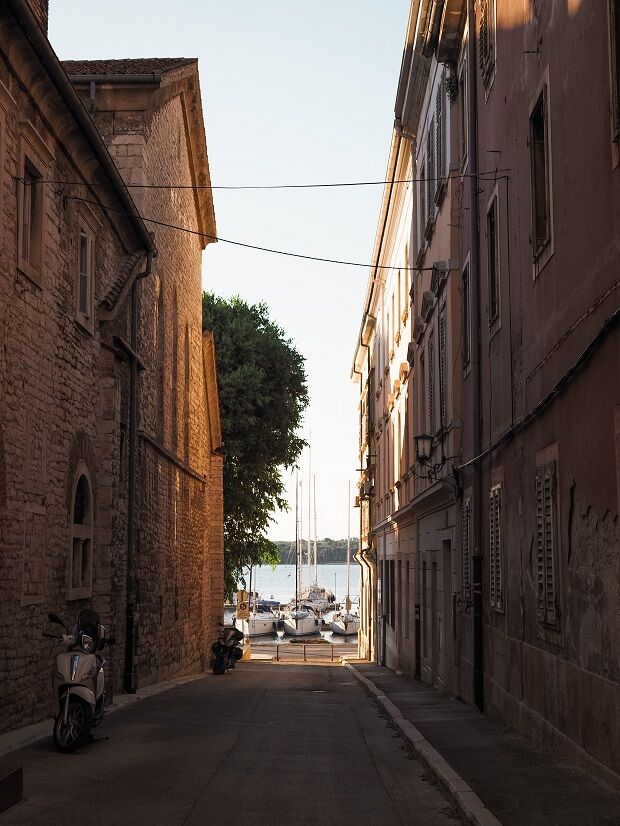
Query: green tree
x=263 y=394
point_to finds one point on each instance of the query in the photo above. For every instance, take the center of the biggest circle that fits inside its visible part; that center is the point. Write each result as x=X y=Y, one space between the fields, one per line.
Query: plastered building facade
x=515 y=599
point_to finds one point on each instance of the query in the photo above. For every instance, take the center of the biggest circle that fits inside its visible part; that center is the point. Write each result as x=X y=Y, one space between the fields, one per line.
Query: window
x=422 y=192
x=431 y=176
x=440 y=137
x=493 y=261
x=614 y=62
x=487 y=40
x=443 y=370
x=422 y=393
x=392 y=595
x=431 y=383
x=546 y=540
x=466 y=561
x=81 y=560
x=463 y=114
x=495 y=548
x=539 y=161
x=85 y=276
x=466 y=303
x=30 y=240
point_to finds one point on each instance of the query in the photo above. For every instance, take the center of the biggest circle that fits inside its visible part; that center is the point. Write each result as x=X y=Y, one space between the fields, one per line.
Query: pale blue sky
x=293 y=93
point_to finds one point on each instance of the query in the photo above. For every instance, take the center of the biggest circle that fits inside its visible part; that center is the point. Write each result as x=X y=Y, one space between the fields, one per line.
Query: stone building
x=95 y=503
x=522 y=610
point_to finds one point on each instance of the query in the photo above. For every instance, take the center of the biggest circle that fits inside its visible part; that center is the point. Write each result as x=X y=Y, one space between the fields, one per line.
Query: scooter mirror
x=52 y=617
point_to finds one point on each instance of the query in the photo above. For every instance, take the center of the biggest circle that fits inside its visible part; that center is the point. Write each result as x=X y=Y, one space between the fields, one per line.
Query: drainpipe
x=475 y=326
x=134 y=412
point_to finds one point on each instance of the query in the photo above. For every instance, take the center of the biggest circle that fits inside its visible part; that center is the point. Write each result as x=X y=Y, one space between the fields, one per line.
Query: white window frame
x=80 y=583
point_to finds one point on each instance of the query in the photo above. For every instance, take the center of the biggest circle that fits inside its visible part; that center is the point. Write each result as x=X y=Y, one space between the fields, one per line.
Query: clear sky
x=293 y=92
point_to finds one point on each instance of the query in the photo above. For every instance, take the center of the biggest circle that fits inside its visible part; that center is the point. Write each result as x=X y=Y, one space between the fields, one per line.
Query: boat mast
x=348 y=543
x=301 y=533
x=309 y=554
x=315 y=556
x=296 y=538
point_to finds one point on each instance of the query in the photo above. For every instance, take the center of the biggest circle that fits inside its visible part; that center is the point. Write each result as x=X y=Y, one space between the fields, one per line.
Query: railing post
x=332 y=648
x=304 y=652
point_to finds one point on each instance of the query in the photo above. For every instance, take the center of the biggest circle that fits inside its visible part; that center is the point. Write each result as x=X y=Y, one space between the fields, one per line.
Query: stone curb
x=22 y=737
x=466 y=800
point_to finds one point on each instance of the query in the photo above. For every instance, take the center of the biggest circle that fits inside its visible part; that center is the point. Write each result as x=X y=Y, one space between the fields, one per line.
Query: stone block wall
x=179 y=556
x=58 y=397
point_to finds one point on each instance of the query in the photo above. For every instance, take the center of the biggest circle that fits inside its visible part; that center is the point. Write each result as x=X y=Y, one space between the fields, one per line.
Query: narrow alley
x=297 y=744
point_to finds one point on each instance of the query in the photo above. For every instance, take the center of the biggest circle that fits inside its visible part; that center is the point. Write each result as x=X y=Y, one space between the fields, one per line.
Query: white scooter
x=78 y=680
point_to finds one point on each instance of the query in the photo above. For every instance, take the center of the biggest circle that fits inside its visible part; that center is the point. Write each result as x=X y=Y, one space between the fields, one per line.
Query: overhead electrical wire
x=491 y=175
x=247 y=246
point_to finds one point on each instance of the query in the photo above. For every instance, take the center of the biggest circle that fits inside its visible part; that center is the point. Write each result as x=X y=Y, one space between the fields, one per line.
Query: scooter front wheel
x=71 y=735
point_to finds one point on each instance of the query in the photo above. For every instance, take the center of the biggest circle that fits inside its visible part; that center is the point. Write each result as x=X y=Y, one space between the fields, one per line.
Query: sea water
x=279 y=582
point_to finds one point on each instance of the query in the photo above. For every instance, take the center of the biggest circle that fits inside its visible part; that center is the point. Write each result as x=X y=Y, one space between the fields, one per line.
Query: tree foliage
x=263 y=394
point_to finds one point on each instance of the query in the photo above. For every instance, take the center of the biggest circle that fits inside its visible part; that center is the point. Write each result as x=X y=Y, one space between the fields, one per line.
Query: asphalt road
x=294 y=744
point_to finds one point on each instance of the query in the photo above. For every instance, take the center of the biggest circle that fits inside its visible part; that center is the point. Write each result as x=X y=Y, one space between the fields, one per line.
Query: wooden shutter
x=466 y=562
x=443 y=370
x=431 y=383
x=440 y=136
x=495 y=547
x=431 y=172
x=545 y=543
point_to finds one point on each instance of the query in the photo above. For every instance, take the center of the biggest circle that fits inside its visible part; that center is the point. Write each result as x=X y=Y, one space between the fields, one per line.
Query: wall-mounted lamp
x=423 y=448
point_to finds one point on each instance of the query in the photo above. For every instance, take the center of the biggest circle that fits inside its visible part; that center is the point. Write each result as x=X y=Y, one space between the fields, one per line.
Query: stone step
x=11 y=784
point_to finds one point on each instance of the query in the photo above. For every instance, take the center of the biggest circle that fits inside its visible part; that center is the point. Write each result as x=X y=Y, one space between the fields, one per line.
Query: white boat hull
x=346 y=627
x=258 y=625
x=302 y=626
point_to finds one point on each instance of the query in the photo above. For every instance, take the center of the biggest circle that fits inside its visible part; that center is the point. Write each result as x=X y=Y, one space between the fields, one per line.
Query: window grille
x=443 y=370
x=466 y=562
x=545 y=543
x=495 y=547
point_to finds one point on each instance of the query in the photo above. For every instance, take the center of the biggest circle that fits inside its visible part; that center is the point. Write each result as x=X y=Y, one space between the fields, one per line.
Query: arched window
x=81 y=560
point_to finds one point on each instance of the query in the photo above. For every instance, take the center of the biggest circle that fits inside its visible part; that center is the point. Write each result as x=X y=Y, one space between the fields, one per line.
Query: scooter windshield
x=88 y=623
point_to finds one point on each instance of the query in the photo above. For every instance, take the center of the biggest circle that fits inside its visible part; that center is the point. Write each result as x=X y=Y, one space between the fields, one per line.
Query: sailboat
x=300 y=621
x=345 y=622
x=315 y=596
x=262 y=619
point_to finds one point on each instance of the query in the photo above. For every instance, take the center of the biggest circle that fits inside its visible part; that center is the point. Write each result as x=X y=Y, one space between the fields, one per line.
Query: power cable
x=247 y=246
x=491 y=176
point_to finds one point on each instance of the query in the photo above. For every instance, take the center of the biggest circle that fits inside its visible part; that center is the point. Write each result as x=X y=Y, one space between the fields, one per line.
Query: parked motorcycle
x=78 y=680
x=227 y=648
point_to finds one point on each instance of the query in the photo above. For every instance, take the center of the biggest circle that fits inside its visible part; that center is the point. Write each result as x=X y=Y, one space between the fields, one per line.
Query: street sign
x=243 y=605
